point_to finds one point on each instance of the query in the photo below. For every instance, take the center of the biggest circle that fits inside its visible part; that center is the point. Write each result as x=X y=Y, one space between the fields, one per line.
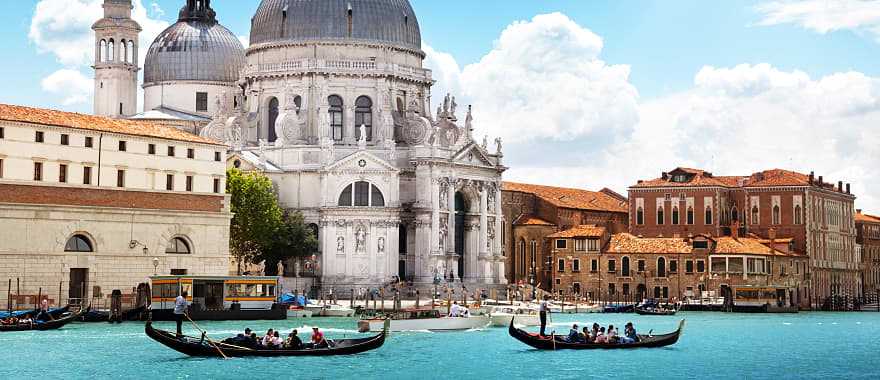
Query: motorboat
x=423 y=320
x=295 y=312
x=500 y=316
x=337 y=311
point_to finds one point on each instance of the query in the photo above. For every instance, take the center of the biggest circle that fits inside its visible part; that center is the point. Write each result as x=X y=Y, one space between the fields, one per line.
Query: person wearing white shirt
x=180 y=306
x=455 y=310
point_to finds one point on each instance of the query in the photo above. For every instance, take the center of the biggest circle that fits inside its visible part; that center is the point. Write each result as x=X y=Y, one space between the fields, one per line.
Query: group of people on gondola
x=601 y=335
x=42 y=315
x=15 y=321
x=273 y=341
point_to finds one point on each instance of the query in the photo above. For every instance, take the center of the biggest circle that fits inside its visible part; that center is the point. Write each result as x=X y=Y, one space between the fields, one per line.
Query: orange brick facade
x=78 y=196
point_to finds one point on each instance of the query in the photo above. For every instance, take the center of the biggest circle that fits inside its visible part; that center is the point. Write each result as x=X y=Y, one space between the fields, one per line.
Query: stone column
x=348 y=125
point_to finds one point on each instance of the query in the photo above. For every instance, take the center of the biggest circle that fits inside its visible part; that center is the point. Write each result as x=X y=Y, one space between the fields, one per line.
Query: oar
x=553 y=339
x=205 y=334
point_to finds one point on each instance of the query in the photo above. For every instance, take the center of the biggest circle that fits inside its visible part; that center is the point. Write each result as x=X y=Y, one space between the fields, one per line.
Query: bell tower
x=116 y=60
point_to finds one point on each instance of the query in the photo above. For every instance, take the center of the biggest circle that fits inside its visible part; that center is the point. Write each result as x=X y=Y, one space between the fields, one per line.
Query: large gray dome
x=196 y=48
x=390 y=22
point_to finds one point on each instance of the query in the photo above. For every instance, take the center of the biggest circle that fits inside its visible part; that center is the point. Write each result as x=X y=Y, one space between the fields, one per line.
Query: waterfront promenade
x=714 y=345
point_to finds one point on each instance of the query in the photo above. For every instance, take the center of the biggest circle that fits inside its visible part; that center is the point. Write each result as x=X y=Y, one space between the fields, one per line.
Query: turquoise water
x=714 y=345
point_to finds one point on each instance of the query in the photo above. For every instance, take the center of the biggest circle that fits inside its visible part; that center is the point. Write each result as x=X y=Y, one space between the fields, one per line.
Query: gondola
x=203 y=347
x=561 y=343
x=55 y=313
x=104 y=316
x=43 y=325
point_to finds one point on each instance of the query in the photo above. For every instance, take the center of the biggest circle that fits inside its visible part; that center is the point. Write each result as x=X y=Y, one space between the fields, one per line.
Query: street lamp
x=155 y=265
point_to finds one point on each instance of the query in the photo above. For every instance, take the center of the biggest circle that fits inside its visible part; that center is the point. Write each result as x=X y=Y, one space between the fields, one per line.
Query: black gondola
x=104 y=316
x=561 y=343
x=202 y=347
x=44 y=325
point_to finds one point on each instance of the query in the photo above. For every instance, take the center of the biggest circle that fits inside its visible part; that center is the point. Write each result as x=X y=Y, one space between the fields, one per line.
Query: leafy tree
x=294 y=239
x=257 y=216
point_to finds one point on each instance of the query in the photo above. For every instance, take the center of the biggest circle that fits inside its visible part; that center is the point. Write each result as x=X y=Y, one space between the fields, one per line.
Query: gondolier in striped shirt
x=544 y=309
x=180 y=305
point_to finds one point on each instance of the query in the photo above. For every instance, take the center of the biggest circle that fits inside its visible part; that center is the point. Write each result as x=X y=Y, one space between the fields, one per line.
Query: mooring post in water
x=58 y=302
x=417 y=298
x=9 y=296
x=17 y=288
x=39 y=302
x=382 y=295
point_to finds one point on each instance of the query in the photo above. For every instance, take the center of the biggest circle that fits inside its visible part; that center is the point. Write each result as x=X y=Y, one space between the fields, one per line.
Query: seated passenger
x=573 y=334
x=600 y=337
x=586 y=335
x=318 y=340
x=630 y=335
x=293 y=341
x=611 y=335
x=277 y=342
x=267 y=339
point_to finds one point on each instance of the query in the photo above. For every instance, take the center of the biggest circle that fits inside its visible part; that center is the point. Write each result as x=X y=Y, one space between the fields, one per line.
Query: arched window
x=708 y=215
x=178 y=246
x=78 y=243
x=273 y=117
x=797 y=215
x=755 y=217
x=522 y=256
x=123 y=48
x=111 y=52
x=131 y=56
x=734 y=215
x=640 y=216
x=102 y=51
x=336 y=117
x=298 y=101
x=363 y=115
x=776 y=215
x=624 y=266
x=533 y=254
x=661 y=267
x=690 y=215
x=361 y=194
x=314 y=228
x=660 y=218
x=674 y=215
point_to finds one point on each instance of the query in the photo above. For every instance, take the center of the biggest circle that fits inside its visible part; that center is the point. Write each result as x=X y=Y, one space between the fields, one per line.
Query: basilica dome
x=196 y=48
x=391 y=22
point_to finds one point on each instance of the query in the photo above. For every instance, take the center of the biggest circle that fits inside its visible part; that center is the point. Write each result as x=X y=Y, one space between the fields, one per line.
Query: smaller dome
x=196 y=48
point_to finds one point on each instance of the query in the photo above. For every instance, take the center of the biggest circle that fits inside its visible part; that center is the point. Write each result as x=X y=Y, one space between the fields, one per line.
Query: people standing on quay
x=180 y=306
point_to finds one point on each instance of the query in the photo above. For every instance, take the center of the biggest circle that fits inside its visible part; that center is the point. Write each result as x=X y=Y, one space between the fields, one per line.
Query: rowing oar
x=205 y=334
x=553 y=339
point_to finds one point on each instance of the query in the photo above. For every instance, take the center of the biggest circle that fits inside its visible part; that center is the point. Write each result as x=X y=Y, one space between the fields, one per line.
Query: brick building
x=533 y=212
x=816 y=216
x=868 y=238
x=90 y=204
x=592 y=263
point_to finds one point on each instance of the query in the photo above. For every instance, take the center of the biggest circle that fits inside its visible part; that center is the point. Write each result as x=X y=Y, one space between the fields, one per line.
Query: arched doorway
x=461 y=208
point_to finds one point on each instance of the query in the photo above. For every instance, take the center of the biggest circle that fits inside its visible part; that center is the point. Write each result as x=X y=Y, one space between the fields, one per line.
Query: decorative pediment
x=472 y=154
x=362 y=161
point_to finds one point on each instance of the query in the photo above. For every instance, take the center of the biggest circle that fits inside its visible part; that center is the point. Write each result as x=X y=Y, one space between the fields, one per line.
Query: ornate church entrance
x=461 y=208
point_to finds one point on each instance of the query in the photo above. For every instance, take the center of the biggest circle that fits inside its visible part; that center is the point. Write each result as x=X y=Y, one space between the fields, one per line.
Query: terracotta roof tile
x=56 y=118
x=746 y=246
x=571 y=198
x=530 y=220
x=778 y=177
x=627 y=243
x=766 y=178
x=860 y=217
x=581 y=231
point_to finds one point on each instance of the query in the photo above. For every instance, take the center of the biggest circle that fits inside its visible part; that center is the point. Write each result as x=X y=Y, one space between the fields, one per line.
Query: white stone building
x=90 y=204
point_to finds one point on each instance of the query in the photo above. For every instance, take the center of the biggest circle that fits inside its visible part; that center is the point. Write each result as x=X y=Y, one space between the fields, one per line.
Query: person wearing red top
x=318 y=340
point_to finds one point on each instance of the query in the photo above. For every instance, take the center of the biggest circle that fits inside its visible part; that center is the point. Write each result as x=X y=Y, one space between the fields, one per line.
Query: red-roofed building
x=868 y=239
x=816 y=216
x=533 y=212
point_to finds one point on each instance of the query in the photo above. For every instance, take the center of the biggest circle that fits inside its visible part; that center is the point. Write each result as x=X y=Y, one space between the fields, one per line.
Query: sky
x=587 y=94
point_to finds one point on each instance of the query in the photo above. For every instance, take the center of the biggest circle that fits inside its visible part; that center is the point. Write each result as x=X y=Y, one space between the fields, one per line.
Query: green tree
x=294 y=239
x=257 y=216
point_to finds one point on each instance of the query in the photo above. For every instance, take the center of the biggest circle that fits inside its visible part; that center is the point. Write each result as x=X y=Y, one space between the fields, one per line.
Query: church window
x=361 y=194
x=202 y=102
x=78 y=243
x=335 y=103
x=797 y=214
x=102 y=51
x=640 y=216
x=273 y=117
x=363 y=115
x=110 y=51
x=178 y=246
x=130 y=51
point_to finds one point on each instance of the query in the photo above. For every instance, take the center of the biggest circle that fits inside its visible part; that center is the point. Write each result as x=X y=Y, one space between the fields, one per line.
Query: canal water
x=714 y=345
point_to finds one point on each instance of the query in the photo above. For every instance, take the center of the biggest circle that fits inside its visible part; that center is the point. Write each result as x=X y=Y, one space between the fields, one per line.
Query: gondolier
x=180 y=306
x=543 y=310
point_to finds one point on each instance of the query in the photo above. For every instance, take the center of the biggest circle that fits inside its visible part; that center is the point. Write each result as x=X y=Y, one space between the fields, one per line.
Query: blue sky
x=787 y=83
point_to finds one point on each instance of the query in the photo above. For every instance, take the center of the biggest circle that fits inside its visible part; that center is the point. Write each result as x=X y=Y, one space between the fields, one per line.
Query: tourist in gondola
x=586 y=335
x=574 y=334
x=318 y=340
x=629 y=334
x=600 y=337
x=293 y=341
x=611 y=335
x=595 y=333
x=240 y=339
x=267 y=339
x=277 y=342
x=44 y=315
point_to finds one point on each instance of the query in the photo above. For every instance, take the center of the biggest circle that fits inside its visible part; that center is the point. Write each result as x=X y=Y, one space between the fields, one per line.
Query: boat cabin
x=763 y=298
x=215 y=292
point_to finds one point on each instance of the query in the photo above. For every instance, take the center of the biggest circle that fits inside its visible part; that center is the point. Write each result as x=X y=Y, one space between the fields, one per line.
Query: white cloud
x=245 y=41
x=823 y=16
x=570 y=119
x=74 y=87
x=542 y=80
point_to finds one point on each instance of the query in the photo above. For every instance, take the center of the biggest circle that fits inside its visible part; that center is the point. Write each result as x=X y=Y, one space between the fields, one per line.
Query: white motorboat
x=298 y=313
x=500 y=316
x=424 y=320
x=337 y=311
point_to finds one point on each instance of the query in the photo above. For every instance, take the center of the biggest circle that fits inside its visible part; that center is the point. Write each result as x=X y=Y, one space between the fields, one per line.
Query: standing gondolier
x=544 y=310
x=180 y=306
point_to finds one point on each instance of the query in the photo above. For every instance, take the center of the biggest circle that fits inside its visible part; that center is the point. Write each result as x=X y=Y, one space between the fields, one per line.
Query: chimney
x=734 y=230
x=848 y=189
x=821 y=181
x=665 y=176
x=840 y=186
x=640 y=182
x=812 y=177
